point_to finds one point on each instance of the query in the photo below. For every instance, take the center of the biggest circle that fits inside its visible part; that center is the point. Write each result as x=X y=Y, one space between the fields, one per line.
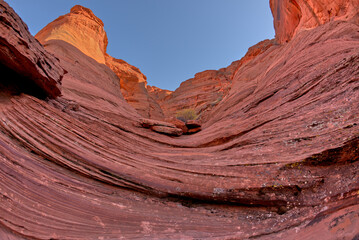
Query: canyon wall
x=83 y=30
x=293 y=16
x=277 y=157
x=207 y=89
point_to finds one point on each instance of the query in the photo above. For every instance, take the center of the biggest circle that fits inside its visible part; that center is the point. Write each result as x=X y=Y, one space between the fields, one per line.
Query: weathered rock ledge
x=23 y=57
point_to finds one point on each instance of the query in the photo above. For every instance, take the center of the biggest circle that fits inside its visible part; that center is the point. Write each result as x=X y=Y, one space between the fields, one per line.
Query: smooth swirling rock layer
x=277 y=157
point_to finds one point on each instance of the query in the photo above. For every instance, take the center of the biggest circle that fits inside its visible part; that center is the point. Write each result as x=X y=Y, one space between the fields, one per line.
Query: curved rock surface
x=277 y=157
x=21 y=56
x=293 y=16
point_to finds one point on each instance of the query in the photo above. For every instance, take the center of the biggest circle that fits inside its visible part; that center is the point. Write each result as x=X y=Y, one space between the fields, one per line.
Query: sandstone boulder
x=194 y=130
x=146 y=123
x=167 y=130
x=178 y=123
x=193 y=126
x=161 y=127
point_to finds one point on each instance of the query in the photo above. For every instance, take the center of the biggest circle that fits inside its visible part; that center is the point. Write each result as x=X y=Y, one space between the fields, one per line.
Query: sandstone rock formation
x=277 y=158
x=193 y=126
x=207 y=89
x=22 y=57
x=161 y=127
x=134 y=88
x=178 y=123
x=82 y=29
x=91 y=39
x=201 y=92
x=293 y=16
x=157 y=93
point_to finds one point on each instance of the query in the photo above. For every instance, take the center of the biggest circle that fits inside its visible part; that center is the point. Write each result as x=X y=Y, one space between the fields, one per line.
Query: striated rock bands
x=157 y=93
x=82 y=29
x=277 y=157
x=293 y=16
x=23 y=59
x=201 y=93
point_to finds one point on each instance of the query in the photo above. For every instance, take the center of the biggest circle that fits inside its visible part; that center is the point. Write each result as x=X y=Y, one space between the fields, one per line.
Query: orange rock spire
x=82 y=29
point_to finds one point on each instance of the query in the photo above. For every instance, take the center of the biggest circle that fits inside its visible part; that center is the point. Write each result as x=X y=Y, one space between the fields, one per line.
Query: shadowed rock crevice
x=15 y=84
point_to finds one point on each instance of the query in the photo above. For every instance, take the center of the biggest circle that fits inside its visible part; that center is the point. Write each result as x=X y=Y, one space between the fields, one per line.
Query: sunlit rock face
x=276 y=158
x=83 y=30
x=293 y=16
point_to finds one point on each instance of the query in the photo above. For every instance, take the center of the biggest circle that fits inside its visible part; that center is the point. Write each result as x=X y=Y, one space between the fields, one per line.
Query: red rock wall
x=38 y=71
x=202 y=92
x=207 y=89
x=292 y=16
x=278 y=157
x=134 y=88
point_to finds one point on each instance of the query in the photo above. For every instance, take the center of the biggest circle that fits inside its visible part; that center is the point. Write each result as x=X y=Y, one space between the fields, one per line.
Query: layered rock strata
x=276 y=159
x=134 y=88
x=82 y=29
x=161 y=127
x=21 y=56
x=293 y=16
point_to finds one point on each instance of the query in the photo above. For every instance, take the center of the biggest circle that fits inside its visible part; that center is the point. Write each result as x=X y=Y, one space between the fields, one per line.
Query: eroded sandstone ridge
x=277 y=157
x=83 y=30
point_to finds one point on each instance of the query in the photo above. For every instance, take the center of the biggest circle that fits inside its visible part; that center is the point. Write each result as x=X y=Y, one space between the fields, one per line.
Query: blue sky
x=169 y=40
